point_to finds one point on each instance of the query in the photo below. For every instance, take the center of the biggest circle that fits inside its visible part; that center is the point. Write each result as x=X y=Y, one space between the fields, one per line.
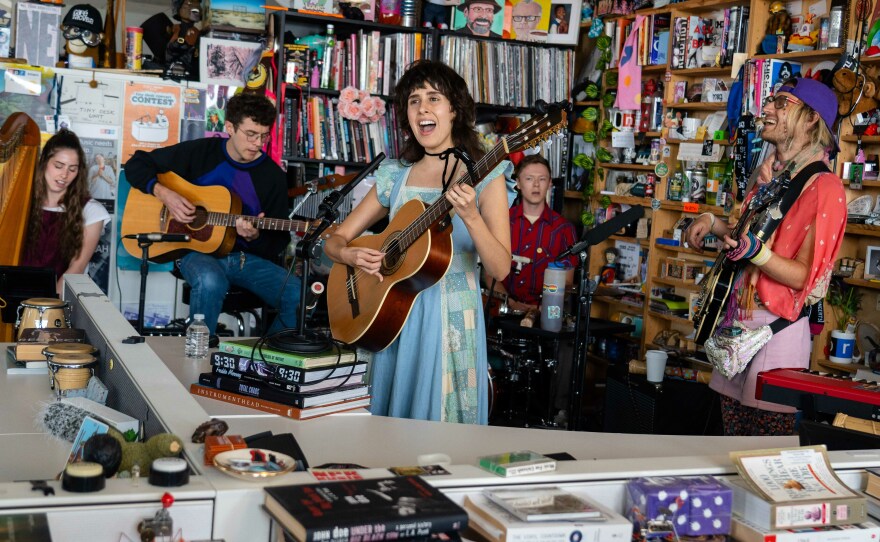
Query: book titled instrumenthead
x=375 y=509
x=517 y=463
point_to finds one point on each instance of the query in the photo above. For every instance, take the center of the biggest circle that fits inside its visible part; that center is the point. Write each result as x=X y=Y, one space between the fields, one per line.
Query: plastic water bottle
x=197 y=339
x=553 y=297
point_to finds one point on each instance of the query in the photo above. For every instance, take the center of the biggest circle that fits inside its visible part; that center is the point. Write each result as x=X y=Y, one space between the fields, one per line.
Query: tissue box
x=695 y=506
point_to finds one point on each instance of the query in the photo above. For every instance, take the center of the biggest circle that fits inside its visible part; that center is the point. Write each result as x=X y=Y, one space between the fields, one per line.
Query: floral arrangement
x=358 y=105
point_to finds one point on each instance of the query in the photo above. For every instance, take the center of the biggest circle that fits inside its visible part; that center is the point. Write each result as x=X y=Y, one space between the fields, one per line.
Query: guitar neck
x=441 y=206
x=261 y=223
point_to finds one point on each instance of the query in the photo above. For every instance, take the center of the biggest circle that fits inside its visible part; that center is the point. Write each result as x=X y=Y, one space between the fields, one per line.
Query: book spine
x=517 y=470
x=245 y=401
x=266 y=355
x=379 y=530
x=836 y=512
x=251 y=389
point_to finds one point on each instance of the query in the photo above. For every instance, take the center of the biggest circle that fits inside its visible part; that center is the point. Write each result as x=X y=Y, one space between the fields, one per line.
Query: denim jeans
x=210 y=279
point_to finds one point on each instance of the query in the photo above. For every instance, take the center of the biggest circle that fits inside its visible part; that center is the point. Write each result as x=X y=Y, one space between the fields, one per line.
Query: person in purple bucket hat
x=784 y=273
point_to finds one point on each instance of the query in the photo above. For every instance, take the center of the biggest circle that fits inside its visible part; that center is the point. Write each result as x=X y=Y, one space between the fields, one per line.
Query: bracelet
x=711 y=218
x=762 y=257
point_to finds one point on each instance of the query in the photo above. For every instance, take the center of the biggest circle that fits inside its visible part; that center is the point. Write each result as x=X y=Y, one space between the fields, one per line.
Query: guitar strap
x=788 y=199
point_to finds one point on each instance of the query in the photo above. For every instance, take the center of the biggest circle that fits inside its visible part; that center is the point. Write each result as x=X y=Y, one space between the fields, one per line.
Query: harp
x=19 y=151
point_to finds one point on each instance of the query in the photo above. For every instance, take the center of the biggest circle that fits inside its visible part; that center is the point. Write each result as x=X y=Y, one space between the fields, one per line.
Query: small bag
x=731 y=350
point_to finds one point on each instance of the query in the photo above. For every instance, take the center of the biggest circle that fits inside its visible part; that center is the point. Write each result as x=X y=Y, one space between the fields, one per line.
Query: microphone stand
x=301 y=341
x=145 y=254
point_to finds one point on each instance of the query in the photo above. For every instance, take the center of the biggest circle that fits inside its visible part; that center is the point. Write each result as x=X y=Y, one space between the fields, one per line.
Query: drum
x=498 y=305
x=41 y=313
x=68 y=348
x=71 y=371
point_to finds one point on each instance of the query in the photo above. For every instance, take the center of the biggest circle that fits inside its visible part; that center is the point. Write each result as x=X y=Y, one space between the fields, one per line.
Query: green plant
x=845 y=302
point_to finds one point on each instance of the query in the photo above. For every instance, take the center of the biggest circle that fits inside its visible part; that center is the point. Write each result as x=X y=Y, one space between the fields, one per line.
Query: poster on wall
x=227 y=62
x=82 y=102
x=151 y=119
x=26 y=89
x=192 y=126
x=102 y=175
x=36 y=33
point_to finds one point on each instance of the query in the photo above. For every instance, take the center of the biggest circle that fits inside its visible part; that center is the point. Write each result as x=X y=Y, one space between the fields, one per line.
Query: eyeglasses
x=779 y=101
x=481 y=9
x=87 y=36
x=525 y=18
x=254 y=136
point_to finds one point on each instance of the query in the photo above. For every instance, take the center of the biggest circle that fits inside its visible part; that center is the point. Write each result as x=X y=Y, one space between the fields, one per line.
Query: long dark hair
x=74 y=199
x=445 y=80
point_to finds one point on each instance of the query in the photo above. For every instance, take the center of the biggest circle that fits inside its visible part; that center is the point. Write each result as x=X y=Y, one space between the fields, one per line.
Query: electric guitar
x=418 y=251
x=759 y=218
x=211 y=232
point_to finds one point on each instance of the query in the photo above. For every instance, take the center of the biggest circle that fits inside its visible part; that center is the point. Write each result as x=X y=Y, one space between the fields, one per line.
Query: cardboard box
x=695 y=506
x=673 y=268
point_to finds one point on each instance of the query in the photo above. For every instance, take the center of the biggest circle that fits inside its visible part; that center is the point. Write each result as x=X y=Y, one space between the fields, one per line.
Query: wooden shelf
x=862 y=283
x=702 y=6
x=671 y=318
x=702 y=207
x=703 y=72
x=867 y=184
x=806 y=56
x=686 y=250
x=870 y=59
x=677 y=283
x=651 y=134
x=591 y=103
x=699 y=106
x=849 y=368
x=630 y=200
x=852 y=138
x=634 y=308
x=862 y=229
x=671 y=141
x=305 y=160
x=633 y=167
x=654 y=68
x=643 y=242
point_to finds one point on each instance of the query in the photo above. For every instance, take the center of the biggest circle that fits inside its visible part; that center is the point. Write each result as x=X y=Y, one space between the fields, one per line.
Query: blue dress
x=437 y=368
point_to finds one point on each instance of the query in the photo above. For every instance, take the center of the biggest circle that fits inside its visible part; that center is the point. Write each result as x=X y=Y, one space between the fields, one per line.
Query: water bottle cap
x=198 y=317
x=559 y=265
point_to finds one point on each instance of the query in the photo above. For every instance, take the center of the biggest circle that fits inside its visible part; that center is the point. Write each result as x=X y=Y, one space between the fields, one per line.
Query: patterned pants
x=740 y=420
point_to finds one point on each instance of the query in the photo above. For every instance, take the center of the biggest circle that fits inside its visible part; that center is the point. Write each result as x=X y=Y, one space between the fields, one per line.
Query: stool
x=237 y=303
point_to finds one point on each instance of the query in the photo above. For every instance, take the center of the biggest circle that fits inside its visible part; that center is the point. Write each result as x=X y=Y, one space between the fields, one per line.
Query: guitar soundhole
x=200 y=219
x=394 y=257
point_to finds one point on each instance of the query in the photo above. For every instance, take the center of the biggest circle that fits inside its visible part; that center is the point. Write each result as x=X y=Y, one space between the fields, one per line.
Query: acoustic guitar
x=418 y=251
x=211 y=232
x=758 y=217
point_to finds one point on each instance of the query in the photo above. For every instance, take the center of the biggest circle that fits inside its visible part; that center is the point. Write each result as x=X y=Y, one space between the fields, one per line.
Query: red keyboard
x=828 y=393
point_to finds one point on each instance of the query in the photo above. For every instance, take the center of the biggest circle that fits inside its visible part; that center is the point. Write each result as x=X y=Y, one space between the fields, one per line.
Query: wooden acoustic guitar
x=418 y=251
x=718 y=284
x=211 y=232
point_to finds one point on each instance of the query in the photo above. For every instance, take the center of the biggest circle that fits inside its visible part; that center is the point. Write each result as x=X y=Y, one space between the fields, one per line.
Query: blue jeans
x=210 y=279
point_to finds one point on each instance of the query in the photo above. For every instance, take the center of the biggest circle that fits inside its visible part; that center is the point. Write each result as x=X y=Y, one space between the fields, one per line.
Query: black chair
x=238 y=302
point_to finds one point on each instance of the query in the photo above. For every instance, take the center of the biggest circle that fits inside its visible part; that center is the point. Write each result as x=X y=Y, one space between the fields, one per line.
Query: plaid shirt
x=540 y=242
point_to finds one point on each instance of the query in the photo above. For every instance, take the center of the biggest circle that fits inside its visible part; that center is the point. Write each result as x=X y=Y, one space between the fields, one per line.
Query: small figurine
x=611 y=268
x=83 y=30
x=779 y=24
x=629 y=155
x=435 y=13
x=182 y=52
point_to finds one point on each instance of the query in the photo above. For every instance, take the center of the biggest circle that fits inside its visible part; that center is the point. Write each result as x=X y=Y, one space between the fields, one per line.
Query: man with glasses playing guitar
x=791 y=269
x=238 y=164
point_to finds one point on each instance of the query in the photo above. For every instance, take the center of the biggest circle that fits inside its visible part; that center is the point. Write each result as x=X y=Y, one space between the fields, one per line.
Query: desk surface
x=342 y=437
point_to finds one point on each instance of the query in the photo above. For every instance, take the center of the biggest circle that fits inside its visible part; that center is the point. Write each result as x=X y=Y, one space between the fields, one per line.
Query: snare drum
x=41 y=313
x=71 y=371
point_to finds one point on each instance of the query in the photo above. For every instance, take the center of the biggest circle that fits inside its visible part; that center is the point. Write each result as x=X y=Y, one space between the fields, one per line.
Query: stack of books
x=284 y=383
x=26 y=355
x=794 y=496
x=548 y=514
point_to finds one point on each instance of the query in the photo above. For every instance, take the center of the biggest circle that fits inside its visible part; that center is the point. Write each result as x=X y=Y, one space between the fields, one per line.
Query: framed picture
x=479 y=18
x=227 y=62
x=565 y=22
x=872 y=263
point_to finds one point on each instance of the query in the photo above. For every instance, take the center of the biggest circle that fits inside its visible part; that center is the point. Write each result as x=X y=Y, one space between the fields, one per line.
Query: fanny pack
x=732 y=348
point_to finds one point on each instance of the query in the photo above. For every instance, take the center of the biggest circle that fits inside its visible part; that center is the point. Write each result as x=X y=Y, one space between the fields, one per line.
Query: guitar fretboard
x=261 y=223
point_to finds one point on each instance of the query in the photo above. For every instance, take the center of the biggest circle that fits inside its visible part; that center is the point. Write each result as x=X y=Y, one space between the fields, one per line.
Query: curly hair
x=73 y=201
x=445 y=80
x=256 y=107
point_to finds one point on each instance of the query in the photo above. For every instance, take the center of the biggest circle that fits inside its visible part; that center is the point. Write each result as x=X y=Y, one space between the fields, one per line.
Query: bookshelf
x=372 y=56
x=665 y=213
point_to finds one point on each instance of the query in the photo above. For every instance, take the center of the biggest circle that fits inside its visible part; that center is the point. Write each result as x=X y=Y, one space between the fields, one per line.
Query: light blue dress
x=437 y=368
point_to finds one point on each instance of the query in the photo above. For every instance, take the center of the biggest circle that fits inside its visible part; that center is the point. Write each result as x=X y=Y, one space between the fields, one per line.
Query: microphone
x=605 y=230
x=159 y=237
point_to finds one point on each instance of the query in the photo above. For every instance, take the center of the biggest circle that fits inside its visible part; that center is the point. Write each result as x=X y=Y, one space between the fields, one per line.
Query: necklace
x=444 y=155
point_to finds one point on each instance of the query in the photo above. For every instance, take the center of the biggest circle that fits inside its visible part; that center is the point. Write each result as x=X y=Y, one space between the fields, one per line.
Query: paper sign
x=819 y=8
x=21 y=81
x=795 y=7
x=693 y=152
x=623 y=140
x=691 y=207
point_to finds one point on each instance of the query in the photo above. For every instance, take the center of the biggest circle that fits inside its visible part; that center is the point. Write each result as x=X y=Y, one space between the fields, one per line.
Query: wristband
x=762 y=257
x=747 y=248
x=711 y=219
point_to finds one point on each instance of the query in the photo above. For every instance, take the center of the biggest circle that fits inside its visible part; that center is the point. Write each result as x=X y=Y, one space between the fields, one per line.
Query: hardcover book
x=745 y=531
x=282 y=376
x=543 y=504
x=277 y=408
x=517 y=463
x=245 y=347
x=375 y=509
x=498 y=525
x=264 y=391
x=32 y=341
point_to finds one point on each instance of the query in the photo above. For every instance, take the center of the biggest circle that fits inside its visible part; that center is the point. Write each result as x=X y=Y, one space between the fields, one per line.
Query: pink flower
x=363 y=95
x=348 y=94
x=375 y=118
x=350 y=110
x=368 y=107
x=379 y=103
